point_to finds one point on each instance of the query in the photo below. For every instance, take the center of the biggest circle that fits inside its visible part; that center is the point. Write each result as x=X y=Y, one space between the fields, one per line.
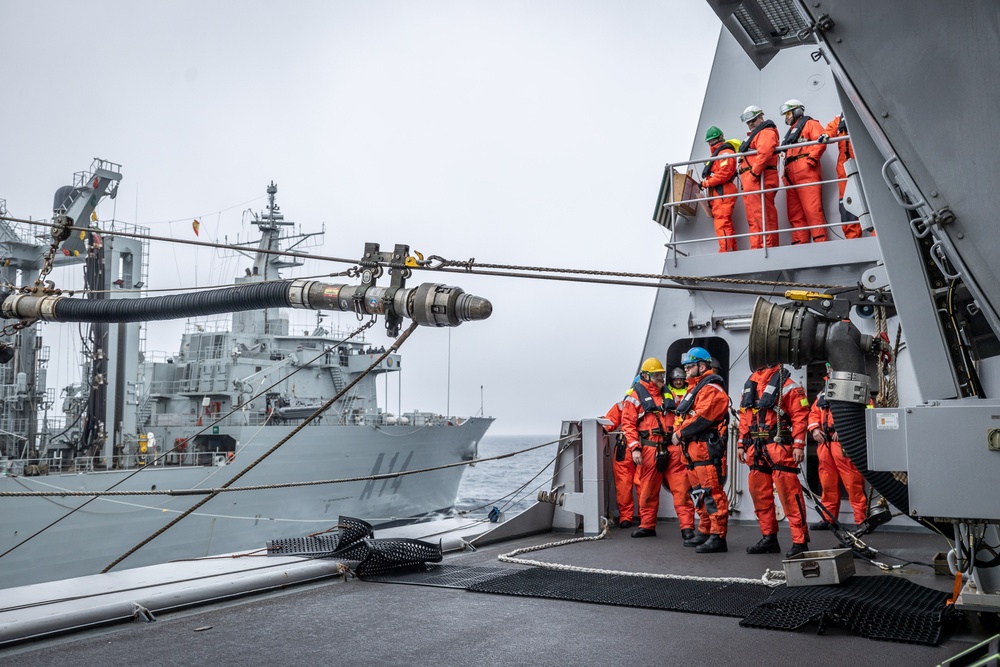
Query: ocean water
x=510 y=484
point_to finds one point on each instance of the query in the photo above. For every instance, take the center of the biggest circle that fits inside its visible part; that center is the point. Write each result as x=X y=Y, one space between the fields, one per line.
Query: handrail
x=778 y=149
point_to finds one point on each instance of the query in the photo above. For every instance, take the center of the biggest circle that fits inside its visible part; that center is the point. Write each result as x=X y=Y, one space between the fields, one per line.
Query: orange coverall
x=805 y=204
x=677 y=475
x=852 y=230
x=625 y=471
x=835 y=466
x=756 y=171
x=718 y=182
x=771 y=464
x=635 y=423
x=707 y=413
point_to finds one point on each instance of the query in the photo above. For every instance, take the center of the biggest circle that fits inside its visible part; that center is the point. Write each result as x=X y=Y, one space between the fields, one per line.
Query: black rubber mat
x=886 y=608
x=442 y=576
x=699 y=597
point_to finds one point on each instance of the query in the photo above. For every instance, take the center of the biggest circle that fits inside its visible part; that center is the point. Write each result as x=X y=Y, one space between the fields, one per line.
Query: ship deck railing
x=260 y=418
x=673 y=206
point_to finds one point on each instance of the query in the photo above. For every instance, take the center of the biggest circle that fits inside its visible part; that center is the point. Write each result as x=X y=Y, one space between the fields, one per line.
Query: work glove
x=823 y=138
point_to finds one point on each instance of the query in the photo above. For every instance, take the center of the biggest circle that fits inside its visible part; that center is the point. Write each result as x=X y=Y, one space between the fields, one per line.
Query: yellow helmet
x=652 y=365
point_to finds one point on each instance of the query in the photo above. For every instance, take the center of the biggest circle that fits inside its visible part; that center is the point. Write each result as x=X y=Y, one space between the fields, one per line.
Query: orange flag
x=196 y=226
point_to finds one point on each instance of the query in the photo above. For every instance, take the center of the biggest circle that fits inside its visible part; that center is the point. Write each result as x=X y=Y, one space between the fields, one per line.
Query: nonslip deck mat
x=883 y=607
x=718 y=598
x=442 y=576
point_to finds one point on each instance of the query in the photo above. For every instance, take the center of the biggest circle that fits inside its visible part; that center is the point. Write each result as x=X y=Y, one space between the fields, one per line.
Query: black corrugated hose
x=850 y=421
x=212 y=302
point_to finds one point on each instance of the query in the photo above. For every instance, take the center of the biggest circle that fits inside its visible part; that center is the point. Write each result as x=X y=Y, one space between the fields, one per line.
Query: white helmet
x=750 y=113
x=792 y=105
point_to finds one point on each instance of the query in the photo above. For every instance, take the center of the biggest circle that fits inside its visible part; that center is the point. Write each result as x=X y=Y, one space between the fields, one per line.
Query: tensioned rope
x=470 y=266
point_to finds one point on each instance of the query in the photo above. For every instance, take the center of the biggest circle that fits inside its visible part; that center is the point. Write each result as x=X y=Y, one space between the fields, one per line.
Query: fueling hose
x=429 y=304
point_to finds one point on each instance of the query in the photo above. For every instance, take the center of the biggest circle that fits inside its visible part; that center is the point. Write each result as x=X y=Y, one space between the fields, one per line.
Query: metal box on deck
x=819 y=568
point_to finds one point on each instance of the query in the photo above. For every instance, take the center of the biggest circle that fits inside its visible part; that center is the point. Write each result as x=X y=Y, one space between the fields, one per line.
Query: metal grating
x=886 y=608
x=443 y=576
x=699 y=597
x=770 y=22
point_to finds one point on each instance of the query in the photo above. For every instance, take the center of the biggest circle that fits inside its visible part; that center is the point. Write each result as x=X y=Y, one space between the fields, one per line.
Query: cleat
x=625 y=524
x=822 y=525
x=687 y=534
x=797 y=549
x=767 y=545
x=714 y=545
x=698 y=539
x=644 y=532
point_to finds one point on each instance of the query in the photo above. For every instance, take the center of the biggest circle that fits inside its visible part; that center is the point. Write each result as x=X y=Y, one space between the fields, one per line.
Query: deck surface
x=394 y=624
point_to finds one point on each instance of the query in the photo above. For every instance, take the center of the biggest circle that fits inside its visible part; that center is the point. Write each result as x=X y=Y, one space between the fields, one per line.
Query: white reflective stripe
x=633 y=400
x=769 y=389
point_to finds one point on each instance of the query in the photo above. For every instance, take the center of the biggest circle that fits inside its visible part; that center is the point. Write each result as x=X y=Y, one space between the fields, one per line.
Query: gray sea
x=510 y=484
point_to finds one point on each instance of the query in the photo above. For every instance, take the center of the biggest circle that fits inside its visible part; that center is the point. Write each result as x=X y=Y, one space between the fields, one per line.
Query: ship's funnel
x=791 y=334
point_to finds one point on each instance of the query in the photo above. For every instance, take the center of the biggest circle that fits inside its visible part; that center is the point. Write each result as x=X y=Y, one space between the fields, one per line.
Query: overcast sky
x=529 y=132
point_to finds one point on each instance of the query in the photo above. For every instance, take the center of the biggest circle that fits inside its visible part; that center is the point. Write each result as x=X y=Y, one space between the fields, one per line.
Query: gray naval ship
x=194 y=420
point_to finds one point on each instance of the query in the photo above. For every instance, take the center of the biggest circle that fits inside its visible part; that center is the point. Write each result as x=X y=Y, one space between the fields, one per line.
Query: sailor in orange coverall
x=645 y=425
x=623 y=468
x=838 y=128
x=834 y=466
x=700 y=416
x=773 y=415
x=759 y=172
x=717 y=180
x=802 y=165
x=677 y=478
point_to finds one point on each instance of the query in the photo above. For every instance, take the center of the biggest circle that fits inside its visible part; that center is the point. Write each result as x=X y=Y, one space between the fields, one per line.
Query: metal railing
x=672 y=206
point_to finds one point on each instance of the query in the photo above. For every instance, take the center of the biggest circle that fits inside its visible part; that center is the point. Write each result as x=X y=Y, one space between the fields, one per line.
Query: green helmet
x=713 y=133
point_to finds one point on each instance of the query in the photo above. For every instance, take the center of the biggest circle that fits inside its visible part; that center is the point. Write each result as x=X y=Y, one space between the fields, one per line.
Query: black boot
x=698 y=539
x=625 y=524
x=714 y=545
x=687 y=533
x=644 y=532
x=767 y=545
x=797 y=548
x=822 y=525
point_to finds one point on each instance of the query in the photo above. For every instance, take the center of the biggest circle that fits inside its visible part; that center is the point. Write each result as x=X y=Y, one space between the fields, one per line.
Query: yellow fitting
x=415 y=261
x=804 y=295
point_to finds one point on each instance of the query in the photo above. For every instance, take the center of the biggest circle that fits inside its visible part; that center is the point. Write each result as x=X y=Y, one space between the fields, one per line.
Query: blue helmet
x=694 y=355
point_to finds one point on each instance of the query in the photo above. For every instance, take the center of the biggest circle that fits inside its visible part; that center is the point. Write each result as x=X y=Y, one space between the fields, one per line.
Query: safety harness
x=792 y=137
x=760 y=434
x=707 y=171
x=715 y=442
x=746 y=145
x=648 y=405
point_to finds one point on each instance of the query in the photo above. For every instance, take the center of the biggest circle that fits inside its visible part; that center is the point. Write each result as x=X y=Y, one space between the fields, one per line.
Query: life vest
x=715 y=440
x=746 y=145
x=670 y=398
x=648 y=405
x=684 y=407
x=760 y=433
x=792 y=136
x=769 y=401
x=723 y=145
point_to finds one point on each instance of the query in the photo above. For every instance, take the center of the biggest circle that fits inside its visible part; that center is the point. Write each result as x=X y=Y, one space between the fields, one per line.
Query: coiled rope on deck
x=511 y=557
